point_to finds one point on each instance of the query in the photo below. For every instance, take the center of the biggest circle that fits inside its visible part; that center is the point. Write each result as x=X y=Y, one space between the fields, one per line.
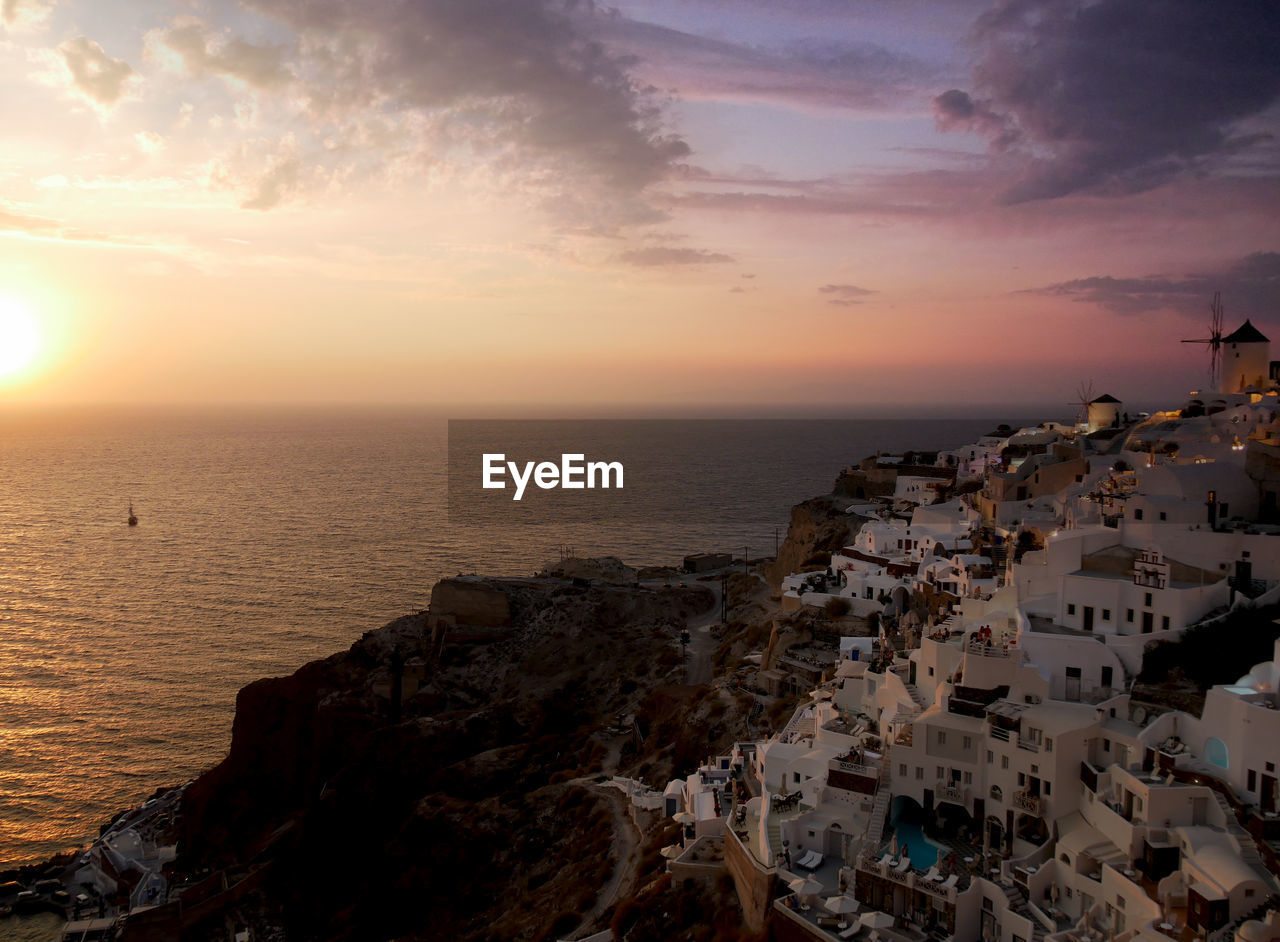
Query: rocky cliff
x=453 y=814
x=818 y=527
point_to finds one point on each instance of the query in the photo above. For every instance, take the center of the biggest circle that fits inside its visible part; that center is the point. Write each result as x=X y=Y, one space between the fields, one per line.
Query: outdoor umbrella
x=877 y=920
x=805 y=886
x=685 y=817
x=671 y=851
x=841 y=906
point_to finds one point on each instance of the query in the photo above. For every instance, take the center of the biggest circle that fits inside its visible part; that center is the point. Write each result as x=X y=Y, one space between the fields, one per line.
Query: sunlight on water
x=266 y=540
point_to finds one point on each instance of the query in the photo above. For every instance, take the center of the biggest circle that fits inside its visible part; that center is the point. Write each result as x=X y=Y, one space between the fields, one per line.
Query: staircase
x=917 y=698
x=1018 y=904
x=798 y=727
x=775 y=837
x=880 y=810
x=1248 y=849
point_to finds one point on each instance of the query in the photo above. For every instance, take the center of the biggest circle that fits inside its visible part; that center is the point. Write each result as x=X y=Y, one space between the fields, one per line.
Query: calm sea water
x=269 y=539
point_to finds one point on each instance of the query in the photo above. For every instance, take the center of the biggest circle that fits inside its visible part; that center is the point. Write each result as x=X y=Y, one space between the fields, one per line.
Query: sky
x=667 y=205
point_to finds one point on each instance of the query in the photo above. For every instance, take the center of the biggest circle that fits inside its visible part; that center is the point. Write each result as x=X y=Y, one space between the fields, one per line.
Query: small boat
x=133 y=519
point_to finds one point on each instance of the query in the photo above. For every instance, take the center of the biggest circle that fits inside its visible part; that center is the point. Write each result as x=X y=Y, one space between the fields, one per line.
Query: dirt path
x=626 y=857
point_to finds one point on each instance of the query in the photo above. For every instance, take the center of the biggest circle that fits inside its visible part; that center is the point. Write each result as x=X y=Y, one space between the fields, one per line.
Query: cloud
x=18 y=222
x=95 y=75
x=956 y=110
x=1250 y=287
x=845 y=295
x=824 y=72
x=282 y=178
x=1118 y=96
x=517 y=81
x=203 y=52
x=662 y=255
x=25 y=14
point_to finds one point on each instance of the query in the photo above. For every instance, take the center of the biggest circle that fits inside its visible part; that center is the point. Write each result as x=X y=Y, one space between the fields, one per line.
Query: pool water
x=922 y=851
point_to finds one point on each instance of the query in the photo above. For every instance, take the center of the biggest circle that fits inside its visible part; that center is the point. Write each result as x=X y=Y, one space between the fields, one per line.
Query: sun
x=19 y=337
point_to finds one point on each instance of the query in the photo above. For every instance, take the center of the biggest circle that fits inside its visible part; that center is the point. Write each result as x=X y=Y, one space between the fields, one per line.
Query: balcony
x=1032 y=804
x=947 y=791
x=992 y=650
x=1028 y=745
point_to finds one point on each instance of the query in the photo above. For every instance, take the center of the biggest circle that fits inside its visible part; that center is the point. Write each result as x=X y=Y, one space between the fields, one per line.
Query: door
x=1268 y=794
x=1088 y=618
x=1073 y=684
x=1148 y=622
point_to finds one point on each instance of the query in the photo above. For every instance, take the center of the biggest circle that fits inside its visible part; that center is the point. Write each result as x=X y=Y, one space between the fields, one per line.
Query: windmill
x=1084 y=396
x=1214 y=340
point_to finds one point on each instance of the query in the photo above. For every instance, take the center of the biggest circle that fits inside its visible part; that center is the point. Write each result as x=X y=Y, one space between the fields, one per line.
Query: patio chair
x=903 y=864
x=813 y=861
x=933 y=875
x=950 y=881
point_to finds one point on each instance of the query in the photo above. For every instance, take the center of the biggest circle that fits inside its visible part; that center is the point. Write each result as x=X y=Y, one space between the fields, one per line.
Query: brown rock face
x=455 y=818
x=818 y=525
x=471 y=602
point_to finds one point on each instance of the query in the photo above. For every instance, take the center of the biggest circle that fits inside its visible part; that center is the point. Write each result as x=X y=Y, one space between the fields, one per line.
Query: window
x=991 y=757
x=1071 y=608
x=1106 y=614
x=1022 y=779
x=942 y=738
x=1147 y=600
x=931 y=672
x=1128 y=615
x=1163 y=515
x=797 y=777
x=1164 y=623
x=968 y=778
x=1004 y=762
x=1048 y=744
x=996 y=794
x=1252 y=782
x=1106 y=671
x=1271 y=766
x=1106 y=745
x=941 y=772
x=968 y=742
x=1048 y=789
x=902 y=770
x=1137 y=514
x=919 y=773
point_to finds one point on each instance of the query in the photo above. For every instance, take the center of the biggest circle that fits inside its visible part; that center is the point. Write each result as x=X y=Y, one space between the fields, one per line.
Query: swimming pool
x=922 y=851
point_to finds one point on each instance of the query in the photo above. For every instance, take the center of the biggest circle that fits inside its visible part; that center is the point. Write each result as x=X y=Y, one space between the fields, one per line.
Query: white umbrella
x=805 y=886
x=877 y=920
x=684 y=817
x=841 y=906
x=893 y=846
x=671 y=851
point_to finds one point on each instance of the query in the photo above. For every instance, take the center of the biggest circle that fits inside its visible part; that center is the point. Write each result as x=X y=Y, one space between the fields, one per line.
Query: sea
x=268 y=538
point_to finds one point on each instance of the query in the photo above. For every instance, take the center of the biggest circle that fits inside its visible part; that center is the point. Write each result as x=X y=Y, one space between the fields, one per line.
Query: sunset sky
x=663 y=203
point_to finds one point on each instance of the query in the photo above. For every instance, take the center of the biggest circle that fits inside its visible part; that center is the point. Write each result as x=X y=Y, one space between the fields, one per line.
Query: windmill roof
x=1106 y=398
x=1245 y=333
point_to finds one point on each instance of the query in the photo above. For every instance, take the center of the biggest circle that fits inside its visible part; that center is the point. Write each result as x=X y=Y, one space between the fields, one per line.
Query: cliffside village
x=980 y=766
x=981 y=769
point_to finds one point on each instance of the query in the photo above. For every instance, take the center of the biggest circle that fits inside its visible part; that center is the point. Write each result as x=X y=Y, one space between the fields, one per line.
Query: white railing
x=1025 y=801
x=949 y=792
